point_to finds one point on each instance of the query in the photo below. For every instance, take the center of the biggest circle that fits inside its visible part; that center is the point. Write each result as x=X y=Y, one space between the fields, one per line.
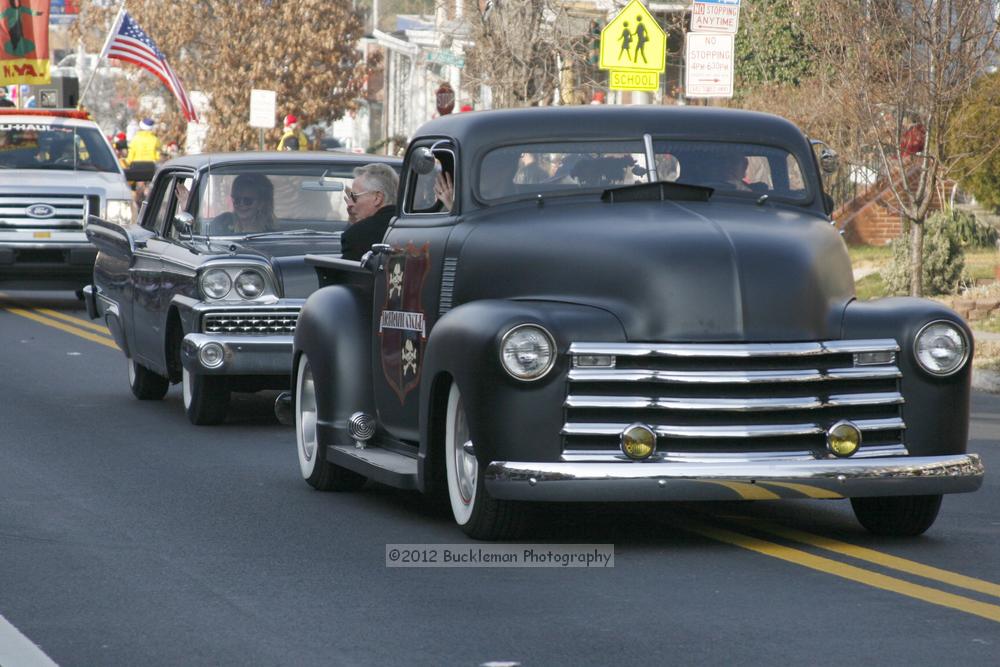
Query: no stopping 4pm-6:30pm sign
x=708 y=70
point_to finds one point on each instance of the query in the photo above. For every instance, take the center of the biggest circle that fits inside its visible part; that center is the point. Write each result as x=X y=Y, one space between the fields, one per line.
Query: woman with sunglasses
x=252 y=197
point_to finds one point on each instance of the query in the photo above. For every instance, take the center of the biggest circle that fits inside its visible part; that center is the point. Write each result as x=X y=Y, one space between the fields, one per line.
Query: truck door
x=407 y=292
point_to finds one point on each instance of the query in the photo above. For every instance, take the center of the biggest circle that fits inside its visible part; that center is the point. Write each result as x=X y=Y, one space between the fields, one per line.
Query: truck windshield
x=41 y=145
x=260 y=199
x=730 y=168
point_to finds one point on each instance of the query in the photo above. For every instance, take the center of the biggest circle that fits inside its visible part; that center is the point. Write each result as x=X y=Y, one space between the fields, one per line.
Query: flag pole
x=100 y=58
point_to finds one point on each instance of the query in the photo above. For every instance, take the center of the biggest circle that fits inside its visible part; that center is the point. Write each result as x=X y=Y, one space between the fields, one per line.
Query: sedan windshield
x=729 y=168
x=40 y=145
x=264 y=200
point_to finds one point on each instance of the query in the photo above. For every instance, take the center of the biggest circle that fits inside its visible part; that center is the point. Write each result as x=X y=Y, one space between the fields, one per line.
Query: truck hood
x=669 y=271
x=44 y=181
x=286 y=255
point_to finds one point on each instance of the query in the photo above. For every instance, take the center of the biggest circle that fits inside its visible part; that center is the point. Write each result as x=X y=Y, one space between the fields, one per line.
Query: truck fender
x=507 y=417
x=936 y=409
x=334 y=332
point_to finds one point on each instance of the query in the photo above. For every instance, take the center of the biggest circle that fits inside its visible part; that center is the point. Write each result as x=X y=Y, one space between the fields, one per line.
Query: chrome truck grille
x=717 y=402
x=46 y=212
x=250 y=323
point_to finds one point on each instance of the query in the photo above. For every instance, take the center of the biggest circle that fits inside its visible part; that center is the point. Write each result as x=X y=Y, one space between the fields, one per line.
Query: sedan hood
x=670 y=271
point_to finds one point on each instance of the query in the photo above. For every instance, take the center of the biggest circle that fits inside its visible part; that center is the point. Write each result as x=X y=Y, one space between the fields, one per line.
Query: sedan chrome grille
x=706 y=401
x=250 y=323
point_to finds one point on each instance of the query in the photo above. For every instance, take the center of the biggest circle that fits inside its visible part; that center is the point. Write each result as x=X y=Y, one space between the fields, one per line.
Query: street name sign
x=715 y=16
x=446 y=58
x=708 y=70
x=633 y=49
x=263 y=106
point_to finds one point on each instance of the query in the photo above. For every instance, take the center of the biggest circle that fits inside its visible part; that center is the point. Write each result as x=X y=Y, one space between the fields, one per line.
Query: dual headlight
x=941 y=347
x=527 y=352
x=220 y=283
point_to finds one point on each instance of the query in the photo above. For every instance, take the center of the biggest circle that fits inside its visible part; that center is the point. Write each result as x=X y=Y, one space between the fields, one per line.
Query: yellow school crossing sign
x=633 y=49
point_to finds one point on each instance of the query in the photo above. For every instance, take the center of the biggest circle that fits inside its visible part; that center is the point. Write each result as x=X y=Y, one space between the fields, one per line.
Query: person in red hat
x=293 y=139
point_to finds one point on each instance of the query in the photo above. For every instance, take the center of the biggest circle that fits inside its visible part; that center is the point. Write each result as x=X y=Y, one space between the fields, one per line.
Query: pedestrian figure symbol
x=641 y=37
x=626 y=40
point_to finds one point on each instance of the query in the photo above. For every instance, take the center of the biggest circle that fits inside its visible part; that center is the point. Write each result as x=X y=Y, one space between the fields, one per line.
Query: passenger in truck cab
x=371 y=204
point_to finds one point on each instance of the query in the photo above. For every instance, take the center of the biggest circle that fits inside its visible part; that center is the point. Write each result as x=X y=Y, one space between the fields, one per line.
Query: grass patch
x=875 y=254
x=987 y=355
x=871 y=286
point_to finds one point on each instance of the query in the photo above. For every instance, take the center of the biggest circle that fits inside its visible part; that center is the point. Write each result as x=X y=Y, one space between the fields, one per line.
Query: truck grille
x=268 y=323
x=67 y=211
x=712 y=402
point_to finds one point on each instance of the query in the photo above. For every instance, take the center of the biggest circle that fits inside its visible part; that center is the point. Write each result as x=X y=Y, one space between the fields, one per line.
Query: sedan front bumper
x=773 y=480
x=241 y=355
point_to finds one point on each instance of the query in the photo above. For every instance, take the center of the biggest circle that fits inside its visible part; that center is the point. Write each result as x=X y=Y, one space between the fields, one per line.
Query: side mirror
x=140 y=171
x=829 y=161
x=423 y=160
x=184 y=222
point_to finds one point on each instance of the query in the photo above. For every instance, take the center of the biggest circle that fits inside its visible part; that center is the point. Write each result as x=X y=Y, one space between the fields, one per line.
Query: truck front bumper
x=772 y=480
x=240 y=355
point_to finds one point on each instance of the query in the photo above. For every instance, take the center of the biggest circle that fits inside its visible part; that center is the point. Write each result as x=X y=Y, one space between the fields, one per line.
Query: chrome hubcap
x=307 y=414
x=466 y=465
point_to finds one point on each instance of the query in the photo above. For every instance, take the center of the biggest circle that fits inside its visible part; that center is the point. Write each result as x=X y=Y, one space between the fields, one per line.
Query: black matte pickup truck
x=625 y=304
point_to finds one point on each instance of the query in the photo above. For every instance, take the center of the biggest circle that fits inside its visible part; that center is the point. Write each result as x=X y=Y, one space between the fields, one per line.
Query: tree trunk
x=916 y=258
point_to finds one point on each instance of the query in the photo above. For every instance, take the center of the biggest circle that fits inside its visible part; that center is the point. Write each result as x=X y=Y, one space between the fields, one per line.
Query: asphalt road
x=130 y=537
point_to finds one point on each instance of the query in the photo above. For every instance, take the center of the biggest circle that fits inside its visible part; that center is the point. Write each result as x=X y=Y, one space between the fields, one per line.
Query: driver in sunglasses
x=252 y=199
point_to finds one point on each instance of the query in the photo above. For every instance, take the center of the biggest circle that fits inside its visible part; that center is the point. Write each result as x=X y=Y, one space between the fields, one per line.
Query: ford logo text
x=40 y=211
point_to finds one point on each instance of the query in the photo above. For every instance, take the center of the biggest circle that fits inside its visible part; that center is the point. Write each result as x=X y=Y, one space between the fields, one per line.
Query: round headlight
x=941 y=347
x=527 y=352
x=250 y=284
x=216 y=283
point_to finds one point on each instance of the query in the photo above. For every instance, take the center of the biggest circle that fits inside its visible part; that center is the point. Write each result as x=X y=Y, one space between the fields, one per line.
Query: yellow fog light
x=843 y=439
x=638 y=442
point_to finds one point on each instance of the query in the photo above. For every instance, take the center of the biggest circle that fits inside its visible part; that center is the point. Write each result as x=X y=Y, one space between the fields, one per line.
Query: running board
x=376 y=463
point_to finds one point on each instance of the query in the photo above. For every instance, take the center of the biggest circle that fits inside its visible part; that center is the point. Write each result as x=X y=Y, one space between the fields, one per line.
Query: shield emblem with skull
x=402 y=325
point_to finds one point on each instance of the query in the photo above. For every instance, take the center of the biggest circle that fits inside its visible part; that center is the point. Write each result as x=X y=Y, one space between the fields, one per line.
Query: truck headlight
x=941 y=347
x=527 y=352
x=250 y=284
x=216 y=283
x=119 y=211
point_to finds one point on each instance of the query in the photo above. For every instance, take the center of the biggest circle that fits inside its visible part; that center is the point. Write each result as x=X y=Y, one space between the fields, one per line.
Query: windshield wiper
x=291 y=232
x=658 y=191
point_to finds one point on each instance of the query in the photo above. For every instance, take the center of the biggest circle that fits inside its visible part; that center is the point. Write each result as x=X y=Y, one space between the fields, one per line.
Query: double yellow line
x=77 y=326
x=852 y=572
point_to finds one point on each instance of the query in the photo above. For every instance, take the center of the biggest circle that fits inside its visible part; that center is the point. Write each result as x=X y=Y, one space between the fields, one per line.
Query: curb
x=986 y=380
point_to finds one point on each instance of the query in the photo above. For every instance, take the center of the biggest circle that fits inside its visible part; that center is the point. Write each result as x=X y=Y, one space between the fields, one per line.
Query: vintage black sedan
x=626 y=304
x=206 y=289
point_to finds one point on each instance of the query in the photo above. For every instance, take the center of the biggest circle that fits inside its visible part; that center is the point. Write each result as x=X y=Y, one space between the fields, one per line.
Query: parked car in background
x=55 y=166
x=206 y=289
x=625 y=304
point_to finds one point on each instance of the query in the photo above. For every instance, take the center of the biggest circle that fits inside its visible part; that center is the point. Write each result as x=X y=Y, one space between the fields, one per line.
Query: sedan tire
x=144 y=383
x=206 y=398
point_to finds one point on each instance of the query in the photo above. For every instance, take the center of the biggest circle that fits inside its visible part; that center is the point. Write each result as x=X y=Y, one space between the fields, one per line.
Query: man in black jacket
x=370 y=206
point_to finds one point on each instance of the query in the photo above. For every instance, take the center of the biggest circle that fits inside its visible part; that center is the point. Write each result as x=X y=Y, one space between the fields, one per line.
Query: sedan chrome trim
x=611 y=455
x=765 y=480
x=735 y=350
x=734 y=377
x=732 y=404
x=730 y=431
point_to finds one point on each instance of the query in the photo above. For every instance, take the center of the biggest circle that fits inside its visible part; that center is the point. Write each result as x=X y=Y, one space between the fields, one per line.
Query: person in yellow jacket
x=293 y=139
x=145 y=146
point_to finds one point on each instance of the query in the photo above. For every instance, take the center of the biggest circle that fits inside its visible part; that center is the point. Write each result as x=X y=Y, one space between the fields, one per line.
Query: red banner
x=24 y=41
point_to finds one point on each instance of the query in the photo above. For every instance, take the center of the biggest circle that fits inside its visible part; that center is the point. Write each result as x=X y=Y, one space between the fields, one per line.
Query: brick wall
x=872 y=217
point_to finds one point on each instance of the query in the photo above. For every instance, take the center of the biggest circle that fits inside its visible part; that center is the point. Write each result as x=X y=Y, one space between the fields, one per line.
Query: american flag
x=128 y=42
